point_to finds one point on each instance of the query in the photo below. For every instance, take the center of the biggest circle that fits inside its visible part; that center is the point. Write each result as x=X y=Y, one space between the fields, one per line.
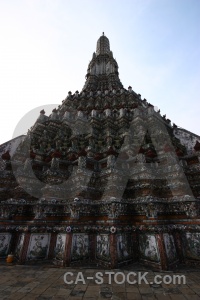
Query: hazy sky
x=45 y=48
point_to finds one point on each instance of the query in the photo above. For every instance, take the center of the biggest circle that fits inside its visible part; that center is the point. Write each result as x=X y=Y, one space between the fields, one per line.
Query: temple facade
x=104 y=180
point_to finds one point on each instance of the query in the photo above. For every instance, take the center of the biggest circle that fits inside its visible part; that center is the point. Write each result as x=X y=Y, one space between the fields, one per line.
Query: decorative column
x=135 y=248
x=68 y=246
x=92 y=239
x=14 y=241
x=23 y=254
x=52 y=246
x=113 y=250
x=179 y=246
x=162 y=251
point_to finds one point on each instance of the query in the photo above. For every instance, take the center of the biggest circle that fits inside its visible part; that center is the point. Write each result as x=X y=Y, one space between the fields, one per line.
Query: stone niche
x=191 y=242
x=124 y=248
x=148 y=248
x=38 y=246
x=80 y=247
x=5 y=239
x=170 y=248
x=59 y=250
x=19 y=248
x=103 y=247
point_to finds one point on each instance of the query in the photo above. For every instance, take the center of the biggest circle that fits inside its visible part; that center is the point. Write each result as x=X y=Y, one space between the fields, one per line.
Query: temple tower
x=105 y=179
x=102 y=72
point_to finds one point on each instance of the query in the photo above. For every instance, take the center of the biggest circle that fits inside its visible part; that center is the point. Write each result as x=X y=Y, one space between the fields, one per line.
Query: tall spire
x=103 y=45
x=102 y=72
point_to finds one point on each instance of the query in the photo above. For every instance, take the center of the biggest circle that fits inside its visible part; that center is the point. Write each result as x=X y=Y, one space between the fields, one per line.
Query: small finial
x=103 y=33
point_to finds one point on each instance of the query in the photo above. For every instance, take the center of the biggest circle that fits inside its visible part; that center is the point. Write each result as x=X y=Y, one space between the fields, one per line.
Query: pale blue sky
x=45 y=48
